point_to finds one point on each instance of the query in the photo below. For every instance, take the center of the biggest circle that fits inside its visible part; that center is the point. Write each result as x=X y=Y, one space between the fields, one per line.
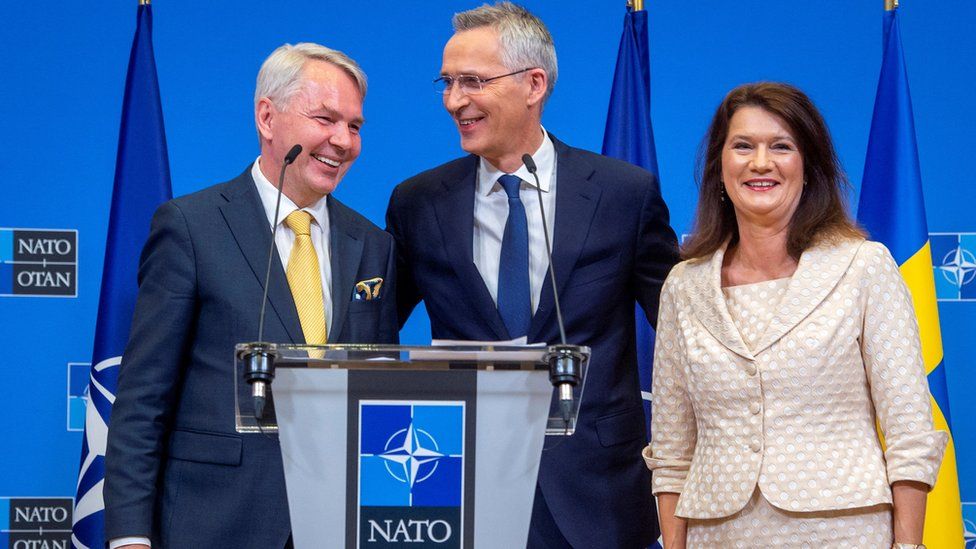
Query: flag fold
x=892 y=209
x=141 y=184
x=628 y=136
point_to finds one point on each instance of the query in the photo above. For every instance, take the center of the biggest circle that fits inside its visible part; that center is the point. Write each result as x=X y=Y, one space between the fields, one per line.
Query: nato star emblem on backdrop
x=411 y=473
x=969 y=524
x=38 y=262
x=954 y=261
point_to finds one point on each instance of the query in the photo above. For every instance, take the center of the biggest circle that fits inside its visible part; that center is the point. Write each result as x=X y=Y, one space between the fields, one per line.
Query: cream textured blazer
x=796 y=414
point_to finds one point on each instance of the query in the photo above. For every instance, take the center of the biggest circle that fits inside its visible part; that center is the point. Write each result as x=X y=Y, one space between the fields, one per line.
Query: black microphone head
x=529 y=163
x=293 y=154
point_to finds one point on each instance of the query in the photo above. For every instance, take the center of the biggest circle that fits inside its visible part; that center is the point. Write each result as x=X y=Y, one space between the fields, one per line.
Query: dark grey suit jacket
x=176 y=470
x=612 y=249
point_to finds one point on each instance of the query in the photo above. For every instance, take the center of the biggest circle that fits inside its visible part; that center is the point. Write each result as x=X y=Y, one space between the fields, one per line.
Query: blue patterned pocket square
x=368 y=290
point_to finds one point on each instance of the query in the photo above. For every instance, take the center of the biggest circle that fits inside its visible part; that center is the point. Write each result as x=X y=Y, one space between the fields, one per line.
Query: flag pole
x=889 y=4
x=638 y=5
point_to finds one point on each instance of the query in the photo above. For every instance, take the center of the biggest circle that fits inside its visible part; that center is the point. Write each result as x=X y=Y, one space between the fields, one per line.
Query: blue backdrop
x=63 y=67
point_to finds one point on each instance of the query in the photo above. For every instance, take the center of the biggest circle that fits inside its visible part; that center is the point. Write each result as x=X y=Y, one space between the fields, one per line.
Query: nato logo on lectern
x=38 y=262
x=411 y=473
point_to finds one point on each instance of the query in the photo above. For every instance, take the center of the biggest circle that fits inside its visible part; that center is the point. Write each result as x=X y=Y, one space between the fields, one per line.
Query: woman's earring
x=721 y=190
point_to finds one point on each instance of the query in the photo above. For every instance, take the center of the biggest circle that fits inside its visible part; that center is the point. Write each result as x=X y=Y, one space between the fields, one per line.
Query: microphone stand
x=565 y=361
x=259 y=358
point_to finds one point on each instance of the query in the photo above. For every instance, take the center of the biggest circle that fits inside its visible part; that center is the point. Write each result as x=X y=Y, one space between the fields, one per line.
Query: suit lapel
x=247 y=221
x=346 y=242
x=817 y=274
x=576 y=200
x=704 y=291
x=454 y=208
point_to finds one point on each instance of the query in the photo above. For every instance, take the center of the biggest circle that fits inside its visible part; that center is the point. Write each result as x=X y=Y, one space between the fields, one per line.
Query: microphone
x=289 y=158
x=259 y=368
x=565 y=363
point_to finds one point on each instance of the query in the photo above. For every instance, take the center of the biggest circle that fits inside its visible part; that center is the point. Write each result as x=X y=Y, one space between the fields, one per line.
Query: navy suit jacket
x=613 y=247
x=176 y=470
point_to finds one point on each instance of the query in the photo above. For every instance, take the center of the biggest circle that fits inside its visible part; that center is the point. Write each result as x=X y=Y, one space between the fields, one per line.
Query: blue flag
x=892 y=209
x=628 y=137
x=142 y=183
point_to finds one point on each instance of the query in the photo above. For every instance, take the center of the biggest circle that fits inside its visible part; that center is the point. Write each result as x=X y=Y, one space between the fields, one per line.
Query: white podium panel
x=330 y=470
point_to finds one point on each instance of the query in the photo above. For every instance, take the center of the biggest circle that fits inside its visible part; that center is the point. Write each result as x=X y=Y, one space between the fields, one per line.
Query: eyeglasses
x=469 y=84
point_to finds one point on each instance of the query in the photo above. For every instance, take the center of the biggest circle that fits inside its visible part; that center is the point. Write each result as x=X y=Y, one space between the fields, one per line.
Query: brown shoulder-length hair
x=822 y=211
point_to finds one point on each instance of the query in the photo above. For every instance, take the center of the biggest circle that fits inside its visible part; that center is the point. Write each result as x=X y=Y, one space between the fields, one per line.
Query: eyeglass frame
x=448 y=81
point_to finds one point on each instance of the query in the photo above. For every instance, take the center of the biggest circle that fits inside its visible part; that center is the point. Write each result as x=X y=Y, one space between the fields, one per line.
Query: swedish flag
x=893 y=211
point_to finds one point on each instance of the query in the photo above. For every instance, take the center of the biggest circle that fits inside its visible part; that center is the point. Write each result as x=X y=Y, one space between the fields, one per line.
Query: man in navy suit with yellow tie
x=177 y=473
x=470 y=245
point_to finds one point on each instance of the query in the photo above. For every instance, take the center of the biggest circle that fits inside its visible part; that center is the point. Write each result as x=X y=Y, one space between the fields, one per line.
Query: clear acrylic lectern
x=425 y=446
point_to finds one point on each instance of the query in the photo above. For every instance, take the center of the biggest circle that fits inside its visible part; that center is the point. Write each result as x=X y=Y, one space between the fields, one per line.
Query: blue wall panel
x=63 y=67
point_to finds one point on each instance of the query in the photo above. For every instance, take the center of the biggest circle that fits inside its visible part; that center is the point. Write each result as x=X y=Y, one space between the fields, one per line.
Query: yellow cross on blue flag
x=892 y=209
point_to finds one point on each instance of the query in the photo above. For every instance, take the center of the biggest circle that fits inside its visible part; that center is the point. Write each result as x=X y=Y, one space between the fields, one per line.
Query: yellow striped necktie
x=305 y=279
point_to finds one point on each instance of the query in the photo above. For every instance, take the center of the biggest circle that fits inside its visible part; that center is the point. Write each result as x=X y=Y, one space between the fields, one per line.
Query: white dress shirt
x=284 y=239
x=491 y=214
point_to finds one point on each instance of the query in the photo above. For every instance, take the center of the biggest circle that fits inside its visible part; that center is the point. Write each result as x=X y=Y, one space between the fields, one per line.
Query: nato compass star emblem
x=411 y=455
x=959 y=267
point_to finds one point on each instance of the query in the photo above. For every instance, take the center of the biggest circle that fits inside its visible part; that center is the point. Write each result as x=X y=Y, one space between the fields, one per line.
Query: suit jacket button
x=754 y=408
x=755 y=446
x=751 y=369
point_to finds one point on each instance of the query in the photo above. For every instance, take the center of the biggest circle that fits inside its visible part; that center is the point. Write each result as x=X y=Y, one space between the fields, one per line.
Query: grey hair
x=524 y=39
x=281 y=73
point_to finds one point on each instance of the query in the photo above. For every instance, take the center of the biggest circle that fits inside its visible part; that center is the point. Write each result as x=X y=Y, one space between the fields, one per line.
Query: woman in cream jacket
x=782 y=342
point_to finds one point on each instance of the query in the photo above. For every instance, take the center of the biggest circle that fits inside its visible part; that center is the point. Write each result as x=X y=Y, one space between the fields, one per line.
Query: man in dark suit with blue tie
x=177 y=473
x=470 y=245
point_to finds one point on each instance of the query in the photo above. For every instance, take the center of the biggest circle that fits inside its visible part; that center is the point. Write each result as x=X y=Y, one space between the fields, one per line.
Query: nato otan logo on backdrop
x=411 y=473
x=38 y=262
x=27 y=523
x=954 y=261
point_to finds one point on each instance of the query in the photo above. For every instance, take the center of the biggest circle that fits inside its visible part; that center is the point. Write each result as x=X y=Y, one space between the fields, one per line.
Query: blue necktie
x=513 y=266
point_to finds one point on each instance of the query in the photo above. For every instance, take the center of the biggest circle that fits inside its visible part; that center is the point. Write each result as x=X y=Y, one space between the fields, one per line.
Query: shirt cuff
x=131 y=540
